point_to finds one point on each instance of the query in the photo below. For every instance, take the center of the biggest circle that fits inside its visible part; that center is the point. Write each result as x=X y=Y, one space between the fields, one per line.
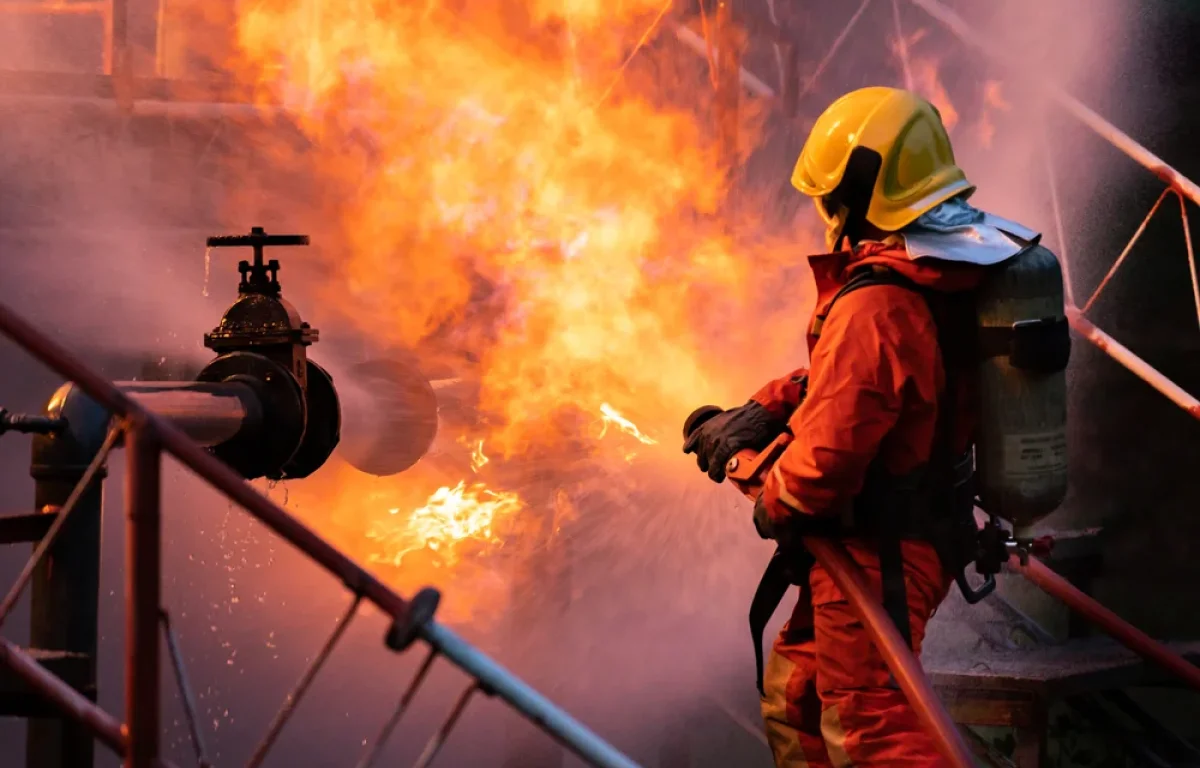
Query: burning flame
x=611 y=417
x=515 y=185
x=446 y=524
x=926 y=76
x=515 y=147
x=478 y=458
x=514 y=189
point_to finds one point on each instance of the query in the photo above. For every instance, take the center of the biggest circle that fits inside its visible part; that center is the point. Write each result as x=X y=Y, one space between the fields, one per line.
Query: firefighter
x=883 y=419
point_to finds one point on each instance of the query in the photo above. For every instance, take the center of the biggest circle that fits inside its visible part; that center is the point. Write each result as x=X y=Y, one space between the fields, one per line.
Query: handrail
x=1091 y=609
x=494 y=678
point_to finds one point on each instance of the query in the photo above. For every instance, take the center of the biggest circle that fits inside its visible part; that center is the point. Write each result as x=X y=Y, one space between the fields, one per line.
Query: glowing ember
x=450 y=521
x=612 y=417
x=478 y=458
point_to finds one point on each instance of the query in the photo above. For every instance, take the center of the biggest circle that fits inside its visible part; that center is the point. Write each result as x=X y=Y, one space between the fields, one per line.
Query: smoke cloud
x=535 y=203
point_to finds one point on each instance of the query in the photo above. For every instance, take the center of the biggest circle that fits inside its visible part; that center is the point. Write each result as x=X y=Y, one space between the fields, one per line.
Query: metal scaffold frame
x=146 y=438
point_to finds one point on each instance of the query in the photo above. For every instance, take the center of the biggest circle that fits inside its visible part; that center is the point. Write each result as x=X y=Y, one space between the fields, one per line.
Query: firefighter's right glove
x=717 y=440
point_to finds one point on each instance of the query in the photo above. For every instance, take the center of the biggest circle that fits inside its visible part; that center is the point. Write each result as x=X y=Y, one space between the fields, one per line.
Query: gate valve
x=261 y=341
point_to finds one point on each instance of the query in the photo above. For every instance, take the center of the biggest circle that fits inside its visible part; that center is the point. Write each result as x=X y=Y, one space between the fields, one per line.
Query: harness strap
x=891 y=573
x=890 y=523
x=782 y=572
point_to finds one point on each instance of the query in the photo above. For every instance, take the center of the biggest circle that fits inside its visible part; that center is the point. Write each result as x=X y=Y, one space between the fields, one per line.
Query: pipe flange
x=323 y=427
x=262 y=452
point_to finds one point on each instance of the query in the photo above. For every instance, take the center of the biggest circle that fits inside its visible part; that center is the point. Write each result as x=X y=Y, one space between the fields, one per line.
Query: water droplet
x=207 y=269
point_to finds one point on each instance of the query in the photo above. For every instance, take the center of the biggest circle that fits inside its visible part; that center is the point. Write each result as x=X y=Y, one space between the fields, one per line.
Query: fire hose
x=747 y=471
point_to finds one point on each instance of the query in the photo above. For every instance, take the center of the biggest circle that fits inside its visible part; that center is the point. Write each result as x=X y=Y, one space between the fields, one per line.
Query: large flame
x=501 y=160
x=509 y=176
x=451 y=519
x=534 y=190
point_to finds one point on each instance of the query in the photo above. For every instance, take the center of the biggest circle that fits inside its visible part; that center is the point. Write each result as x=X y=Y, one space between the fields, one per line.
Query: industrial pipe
x=67 y=699
x=1089 y=608
x=502 y=683
x=143 y=589
x=210 y=413
x=389 y=416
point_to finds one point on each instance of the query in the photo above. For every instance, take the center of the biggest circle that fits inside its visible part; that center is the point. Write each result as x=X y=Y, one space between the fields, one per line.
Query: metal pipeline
x=209 y=413
x=521 y=697
x=1086 y=606
x=1135 y=364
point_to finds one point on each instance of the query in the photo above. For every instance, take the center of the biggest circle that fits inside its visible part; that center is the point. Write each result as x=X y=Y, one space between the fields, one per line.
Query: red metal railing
x=147 y=437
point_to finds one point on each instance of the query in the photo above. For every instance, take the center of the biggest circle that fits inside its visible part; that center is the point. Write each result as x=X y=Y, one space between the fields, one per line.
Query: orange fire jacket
x=875 y=380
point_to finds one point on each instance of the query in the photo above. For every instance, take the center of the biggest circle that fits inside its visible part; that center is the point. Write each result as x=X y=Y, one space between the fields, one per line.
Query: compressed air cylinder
x=1021 y=454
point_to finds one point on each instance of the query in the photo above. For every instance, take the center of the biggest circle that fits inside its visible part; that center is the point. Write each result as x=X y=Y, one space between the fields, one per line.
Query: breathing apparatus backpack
x=1010 y=338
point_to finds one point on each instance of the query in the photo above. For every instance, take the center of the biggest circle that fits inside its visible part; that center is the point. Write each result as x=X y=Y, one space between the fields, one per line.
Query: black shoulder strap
x=891 y=522
x=865 y=278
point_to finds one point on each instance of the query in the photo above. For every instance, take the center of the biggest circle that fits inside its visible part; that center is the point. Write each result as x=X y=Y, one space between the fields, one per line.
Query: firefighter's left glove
x=717 y=440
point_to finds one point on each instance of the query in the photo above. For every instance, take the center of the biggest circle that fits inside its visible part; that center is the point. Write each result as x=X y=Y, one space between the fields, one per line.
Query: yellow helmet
x=916 y=169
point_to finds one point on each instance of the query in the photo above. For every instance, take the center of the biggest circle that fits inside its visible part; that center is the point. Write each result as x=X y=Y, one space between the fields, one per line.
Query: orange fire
x=452 y=519
x=519 y=146
x=927 y=79
x=494 y=157
x=611 y=417
x=478 y=457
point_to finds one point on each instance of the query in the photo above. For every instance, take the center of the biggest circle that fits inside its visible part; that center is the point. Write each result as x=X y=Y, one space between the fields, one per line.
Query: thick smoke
x=639 y=609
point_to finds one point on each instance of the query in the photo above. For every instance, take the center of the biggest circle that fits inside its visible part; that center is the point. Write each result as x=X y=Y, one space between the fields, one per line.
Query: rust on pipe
x=849 y=578
x=66 y=698
x=1089 y=608
x=143 y=552
x=1135 y=364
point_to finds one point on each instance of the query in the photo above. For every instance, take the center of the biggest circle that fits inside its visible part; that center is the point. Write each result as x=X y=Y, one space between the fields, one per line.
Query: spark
x=613 y=417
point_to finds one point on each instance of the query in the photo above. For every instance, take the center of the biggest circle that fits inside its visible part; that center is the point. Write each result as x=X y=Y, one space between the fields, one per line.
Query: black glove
x=716 y=441
x=797 y=526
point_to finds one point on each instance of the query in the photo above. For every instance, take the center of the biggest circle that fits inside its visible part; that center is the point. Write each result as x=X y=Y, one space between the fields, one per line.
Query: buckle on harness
x=1038 y=346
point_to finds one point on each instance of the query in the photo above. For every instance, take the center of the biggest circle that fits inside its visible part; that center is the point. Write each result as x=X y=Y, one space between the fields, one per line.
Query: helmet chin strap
x=843 y=225
x=836 y=228
x=845 y=208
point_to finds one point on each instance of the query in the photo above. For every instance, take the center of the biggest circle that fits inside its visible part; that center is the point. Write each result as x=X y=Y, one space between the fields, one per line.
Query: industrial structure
x=262 y=376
